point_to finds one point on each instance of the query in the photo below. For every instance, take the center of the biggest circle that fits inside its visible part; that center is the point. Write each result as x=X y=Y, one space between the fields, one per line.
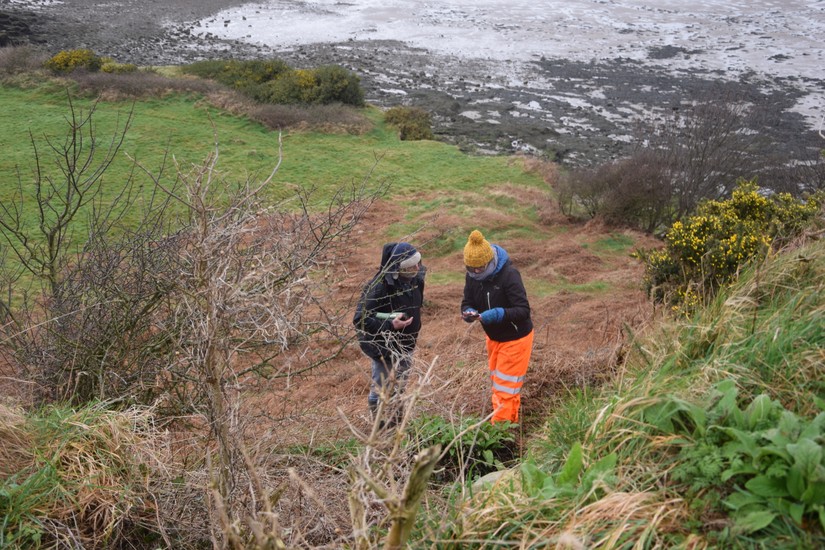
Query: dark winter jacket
x=384 y=294
x=504 y=289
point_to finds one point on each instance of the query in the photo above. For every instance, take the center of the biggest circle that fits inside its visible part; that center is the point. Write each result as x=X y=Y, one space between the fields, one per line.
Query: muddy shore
x=472 y=107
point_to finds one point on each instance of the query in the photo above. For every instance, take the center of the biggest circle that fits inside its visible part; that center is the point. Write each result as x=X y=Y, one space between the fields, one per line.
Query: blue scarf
x=500 y=256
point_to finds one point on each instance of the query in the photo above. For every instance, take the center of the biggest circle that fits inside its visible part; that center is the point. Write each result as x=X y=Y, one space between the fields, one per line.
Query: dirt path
x=582 y=296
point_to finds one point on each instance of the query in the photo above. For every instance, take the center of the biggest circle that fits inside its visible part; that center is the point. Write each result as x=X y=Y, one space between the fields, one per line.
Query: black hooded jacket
x=385 y=294
x=503 y=289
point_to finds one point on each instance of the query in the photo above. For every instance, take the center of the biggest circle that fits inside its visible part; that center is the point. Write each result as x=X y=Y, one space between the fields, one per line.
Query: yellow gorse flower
x=709 y=248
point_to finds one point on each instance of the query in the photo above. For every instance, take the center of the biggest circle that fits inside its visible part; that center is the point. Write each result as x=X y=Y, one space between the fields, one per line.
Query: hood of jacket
x=501 y=258
x=389 y=263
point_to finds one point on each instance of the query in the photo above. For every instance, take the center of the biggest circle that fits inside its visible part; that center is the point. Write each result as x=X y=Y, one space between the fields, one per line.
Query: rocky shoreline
x=542 y=114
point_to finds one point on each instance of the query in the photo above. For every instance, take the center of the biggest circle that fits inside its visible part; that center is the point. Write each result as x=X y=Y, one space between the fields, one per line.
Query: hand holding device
x=469 y=315
x=401 y=321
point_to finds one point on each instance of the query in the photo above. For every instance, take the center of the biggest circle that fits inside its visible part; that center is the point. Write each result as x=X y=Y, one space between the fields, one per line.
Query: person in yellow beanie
x=494 y=295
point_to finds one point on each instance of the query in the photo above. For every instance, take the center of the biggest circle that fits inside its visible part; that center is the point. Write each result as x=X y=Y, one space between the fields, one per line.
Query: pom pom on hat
x=477 y=251
x=405 y=255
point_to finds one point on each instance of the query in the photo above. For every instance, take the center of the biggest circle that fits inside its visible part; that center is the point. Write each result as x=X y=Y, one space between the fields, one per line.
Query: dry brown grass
x=549 y=171
x=138 y=85
x=626 y=516
x=322 y=118
x=16 y=452
x=505 y=512
x=86 y=478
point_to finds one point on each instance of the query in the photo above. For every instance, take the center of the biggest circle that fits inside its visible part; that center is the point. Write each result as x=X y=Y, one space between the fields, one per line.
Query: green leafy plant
x=337 y=453
x=480 y=447
x=767 y=462
x=573 y=480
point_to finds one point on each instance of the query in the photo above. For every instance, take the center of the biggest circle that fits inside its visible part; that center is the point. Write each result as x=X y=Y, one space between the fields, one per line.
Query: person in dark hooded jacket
x=388 y=318
x=494 y=295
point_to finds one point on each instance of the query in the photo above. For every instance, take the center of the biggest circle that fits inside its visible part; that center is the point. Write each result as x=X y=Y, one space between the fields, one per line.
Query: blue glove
x=492 y=316
x=469 y=315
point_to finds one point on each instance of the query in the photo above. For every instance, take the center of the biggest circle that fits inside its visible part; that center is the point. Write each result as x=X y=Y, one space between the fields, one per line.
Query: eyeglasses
x=475 y=269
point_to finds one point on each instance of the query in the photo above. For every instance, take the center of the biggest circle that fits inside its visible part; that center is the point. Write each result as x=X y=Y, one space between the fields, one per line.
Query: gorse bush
x=336 y=84
x=67 y=61
x=413 y=123
x=248 y=77
x=294 y=87
x=111 y=66
x=709 y=248
x=274 y=81
x=322 y=86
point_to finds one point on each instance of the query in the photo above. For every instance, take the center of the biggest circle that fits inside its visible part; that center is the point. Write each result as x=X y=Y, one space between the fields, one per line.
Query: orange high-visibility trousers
x=508 y=363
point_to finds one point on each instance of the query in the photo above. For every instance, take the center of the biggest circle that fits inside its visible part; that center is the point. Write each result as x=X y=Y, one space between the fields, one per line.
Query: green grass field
x=182 y=125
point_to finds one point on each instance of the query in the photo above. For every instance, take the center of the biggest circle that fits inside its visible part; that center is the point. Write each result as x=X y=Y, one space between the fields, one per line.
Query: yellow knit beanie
x=477 y=251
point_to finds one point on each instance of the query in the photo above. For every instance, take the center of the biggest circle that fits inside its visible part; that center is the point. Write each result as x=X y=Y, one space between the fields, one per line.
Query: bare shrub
x=584 y=190
x=334 y=118
x=20 y=59
x=104 y=342
x=250 y=300
x=804 y=176
x=82 y=329
x=701 y=152
x=384 y=473
x=706 y=148
x=139 y=84
x=639 y=193
x=197 y=313
x=55 y=201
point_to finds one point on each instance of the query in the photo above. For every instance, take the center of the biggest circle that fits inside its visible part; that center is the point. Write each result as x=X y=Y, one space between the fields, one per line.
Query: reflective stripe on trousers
x=508 y=363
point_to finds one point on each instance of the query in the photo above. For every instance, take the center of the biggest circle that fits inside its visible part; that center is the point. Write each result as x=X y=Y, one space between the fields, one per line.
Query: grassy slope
x=766 y=335
x=182 y=125
x=661 y=423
